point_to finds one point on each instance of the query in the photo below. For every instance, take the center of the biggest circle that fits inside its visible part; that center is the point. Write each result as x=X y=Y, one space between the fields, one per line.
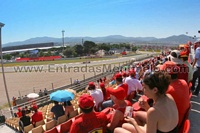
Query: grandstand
x=26 y=47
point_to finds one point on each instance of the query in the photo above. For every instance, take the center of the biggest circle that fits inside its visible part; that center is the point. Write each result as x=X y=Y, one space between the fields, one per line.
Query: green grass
x=51 y=62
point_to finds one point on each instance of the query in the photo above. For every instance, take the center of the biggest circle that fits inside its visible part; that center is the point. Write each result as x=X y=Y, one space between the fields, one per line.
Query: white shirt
x=133 y=84
x=97 y=95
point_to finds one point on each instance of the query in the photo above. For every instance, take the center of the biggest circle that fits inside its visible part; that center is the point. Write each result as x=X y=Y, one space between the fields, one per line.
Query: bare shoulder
x=152 y=111
x=170 y=97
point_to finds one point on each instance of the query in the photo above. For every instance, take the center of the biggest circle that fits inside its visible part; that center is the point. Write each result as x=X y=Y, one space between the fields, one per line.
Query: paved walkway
x=195 y=115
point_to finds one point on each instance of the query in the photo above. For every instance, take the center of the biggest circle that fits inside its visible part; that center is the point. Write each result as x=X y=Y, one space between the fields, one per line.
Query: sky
x=25 y=19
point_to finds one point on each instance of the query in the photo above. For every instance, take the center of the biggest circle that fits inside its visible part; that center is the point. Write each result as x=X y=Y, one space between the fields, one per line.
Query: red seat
x=186 y=128
x=64 y=127
x=182 y=125
x=53 y=130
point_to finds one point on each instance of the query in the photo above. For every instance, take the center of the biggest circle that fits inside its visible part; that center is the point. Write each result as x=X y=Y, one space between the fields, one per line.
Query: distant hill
x=107 y=39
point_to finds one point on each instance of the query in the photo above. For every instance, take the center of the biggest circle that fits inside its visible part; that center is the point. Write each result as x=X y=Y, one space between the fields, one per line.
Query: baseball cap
x=86 y=101
x=34 y=107
x=118 y=92
x=91 y=84
x=102 y=85
x=19 y=109
x=132 y=73
x=170 y=67
x=118 y=75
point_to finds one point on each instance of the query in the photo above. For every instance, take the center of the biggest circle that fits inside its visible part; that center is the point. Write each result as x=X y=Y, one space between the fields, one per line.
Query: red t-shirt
x=125 y=86
x=19 y=114
x=37 y=117
x=91 y=122
x=180 y=92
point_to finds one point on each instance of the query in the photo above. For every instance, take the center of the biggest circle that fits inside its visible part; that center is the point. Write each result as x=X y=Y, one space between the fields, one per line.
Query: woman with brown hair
x=163 y=116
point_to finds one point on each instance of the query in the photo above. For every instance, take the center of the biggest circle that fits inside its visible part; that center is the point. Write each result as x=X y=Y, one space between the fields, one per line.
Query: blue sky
x=25 y=19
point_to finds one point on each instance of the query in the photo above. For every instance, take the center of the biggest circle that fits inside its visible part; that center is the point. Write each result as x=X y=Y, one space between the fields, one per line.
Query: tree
x=69 y=52
x=7 y=57
x=41 y=53
x=78 y=49
x=104 y=46
x=88 y=45
x=134 y=48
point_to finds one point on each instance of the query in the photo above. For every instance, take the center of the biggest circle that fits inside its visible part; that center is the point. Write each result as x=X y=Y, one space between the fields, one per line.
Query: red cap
x=118 y=75
x=91 y=84
x=132 y=73
x=34 y=107
x=102 y=85
x=86 y=101
x=124 y=74
x=118 y=92
x=170 y=67
x=19 y=109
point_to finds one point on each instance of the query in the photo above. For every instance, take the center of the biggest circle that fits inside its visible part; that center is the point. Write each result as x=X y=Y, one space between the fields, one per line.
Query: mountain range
x=171 y=40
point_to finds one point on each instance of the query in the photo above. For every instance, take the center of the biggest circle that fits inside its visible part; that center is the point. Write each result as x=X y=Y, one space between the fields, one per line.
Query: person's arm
x=115 y=120
x=151 y=122
x=195 y=60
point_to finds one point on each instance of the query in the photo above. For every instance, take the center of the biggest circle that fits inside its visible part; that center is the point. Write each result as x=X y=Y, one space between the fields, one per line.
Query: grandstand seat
x=64 y=127
x=73 y=114
x=61 y=119
x=28 y=128
x=186 y=127
x=39 y=123
x=38 y=129
x=53 y=130
x=49 y=125
x=182 y=125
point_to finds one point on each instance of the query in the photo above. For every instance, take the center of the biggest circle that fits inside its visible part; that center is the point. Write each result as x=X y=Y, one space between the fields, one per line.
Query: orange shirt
x=180 y=92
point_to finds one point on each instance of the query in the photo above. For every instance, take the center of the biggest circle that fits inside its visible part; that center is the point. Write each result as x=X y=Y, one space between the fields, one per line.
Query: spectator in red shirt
x=106 y=94
x=118 y=96
x=19 y=113
x=90 y=121
x=37 y=116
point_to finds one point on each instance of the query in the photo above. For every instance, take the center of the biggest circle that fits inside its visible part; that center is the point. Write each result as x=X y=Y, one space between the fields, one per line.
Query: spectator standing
x=68 y=107
x=197 y=71
x=90 y=121
x=57 y=110
x=14 y=101
x=45 y=91
x=40 y=93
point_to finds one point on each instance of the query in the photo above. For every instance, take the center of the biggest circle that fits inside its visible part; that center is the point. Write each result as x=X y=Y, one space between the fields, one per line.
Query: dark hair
x=174 y=76
x=160 y=80
x=185 y=58
x=91 y=87
x=55 y=102
x=67 y=103
x=23 y=112
x=86 y=111
x=119 y=79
